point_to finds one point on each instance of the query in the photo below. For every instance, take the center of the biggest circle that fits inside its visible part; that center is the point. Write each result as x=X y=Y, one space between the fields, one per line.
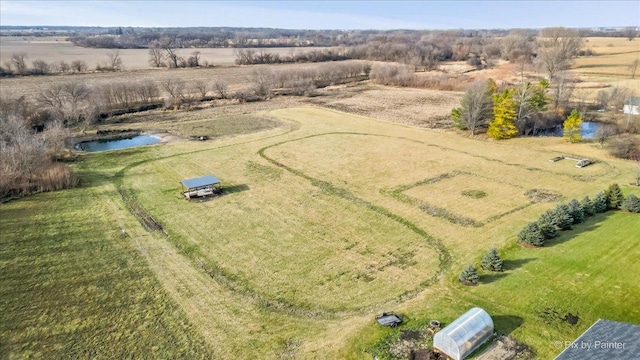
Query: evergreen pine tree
x=562 y=217
x=547 y=224
x=455 y=116
x=576 y=211
x=491 y=260
x=631 y=204
x=588 y=207
x=532 y=235
x=614 y=196
x=469 y=275
x=600 y=202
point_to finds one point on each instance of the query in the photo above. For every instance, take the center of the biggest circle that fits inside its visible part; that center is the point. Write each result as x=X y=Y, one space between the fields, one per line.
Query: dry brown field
x=56 y=49
x=610 y=66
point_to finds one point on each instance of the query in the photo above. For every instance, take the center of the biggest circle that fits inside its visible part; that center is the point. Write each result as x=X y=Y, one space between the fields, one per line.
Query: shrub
x=631 y=204
x=588 y=206
x=625 y=147
x=614 y=196
x=469 y=276
x=562 y=217
x=476 y=194
x=491 y=260
x=532 y=235
x=576 y=211
x=547 y=224
x=600 y=202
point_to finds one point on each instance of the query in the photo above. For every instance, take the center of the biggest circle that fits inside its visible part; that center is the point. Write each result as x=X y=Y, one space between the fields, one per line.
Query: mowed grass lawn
x=590 y=271
x=307 y=244
x=72 y=286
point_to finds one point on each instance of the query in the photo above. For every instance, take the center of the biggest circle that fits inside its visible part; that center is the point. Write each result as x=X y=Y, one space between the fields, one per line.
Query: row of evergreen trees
x=575 y=212
x=553 y=221
x=491 y=261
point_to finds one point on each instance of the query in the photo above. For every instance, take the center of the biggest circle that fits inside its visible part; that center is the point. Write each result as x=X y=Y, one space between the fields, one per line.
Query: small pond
x=588 y=130
x=114 y=144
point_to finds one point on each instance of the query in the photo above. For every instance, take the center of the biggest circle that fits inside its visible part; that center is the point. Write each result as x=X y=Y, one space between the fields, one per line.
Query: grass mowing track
x=234 y=323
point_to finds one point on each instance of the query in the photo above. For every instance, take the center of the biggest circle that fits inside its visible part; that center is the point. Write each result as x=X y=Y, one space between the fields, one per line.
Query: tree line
x=33 y=130
x=18 y=64
x=214 y=37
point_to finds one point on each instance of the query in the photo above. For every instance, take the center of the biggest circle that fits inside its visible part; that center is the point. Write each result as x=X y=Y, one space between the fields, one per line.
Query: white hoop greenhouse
x=460 y=338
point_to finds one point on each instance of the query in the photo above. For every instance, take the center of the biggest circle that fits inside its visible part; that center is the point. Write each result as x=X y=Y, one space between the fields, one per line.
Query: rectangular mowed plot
x=469 y=196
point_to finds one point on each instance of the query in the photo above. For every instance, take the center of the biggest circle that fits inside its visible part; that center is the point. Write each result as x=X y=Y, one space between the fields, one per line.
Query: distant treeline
x=237 y=37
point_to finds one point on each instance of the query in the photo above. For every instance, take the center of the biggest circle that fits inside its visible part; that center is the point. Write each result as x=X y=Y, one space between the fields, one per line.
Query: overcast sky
x=324 y=14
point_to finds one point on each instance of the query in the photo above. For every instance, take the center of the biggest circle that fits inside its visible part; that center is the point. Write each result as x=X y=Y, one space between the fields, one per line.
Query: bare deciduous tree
x=114 y=61
x=516 y=45
x=147 y=91
x=201 y=87
x=27 y=158
x=604 y=132
x=562 y=89
x=630 y=33
x=555 y=48
x=262 y=82
x=67 y=100
x=79 y=66
x=221 y=88
x=194 y=59
x=176 y=90
x=40 y=67
x=168 y=45
x=55 y=134
x=19 y=62
x=156 y=54
x=64 y=66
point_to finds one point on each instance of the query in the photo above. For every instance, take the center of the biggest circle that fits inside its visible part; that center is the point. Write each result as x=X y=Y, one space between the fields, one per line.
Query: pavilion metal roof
x=604 y=340
x=200 y=181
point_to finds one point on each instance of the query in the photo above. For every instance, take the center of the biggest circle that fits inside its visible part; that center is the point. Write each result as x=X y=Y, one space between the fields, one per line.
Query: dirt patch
x=409 y=335
x=542 y=195
x=552 y=315
x=424 y=354
x=413 y=344
x=167 y=137
x=139 y=212
x=506 y=348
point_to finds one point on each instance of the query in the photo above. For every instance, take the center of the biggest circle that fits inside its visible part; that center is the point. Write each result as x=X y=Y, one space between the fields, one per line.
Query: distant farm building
x=604 y=340
x=201 y=186
x=467 y=333
x=632 y=106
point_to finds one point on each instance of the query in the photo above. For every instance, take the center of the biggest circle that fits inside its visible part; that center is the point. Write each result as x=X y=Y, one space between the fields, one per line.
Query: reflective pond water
x=588 y=130
x=114 y=144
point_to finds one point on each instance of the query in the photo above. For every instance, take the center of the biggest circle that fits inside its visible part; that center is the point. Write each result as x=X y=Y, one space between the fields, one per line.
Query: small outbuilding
x=200 y=186
x=632 y=106
x=460 y=338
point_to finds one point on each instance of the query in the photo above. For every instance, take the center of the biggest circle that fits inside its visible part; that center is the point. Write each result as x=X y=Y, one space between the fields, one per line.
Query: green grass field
x=312 y=238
